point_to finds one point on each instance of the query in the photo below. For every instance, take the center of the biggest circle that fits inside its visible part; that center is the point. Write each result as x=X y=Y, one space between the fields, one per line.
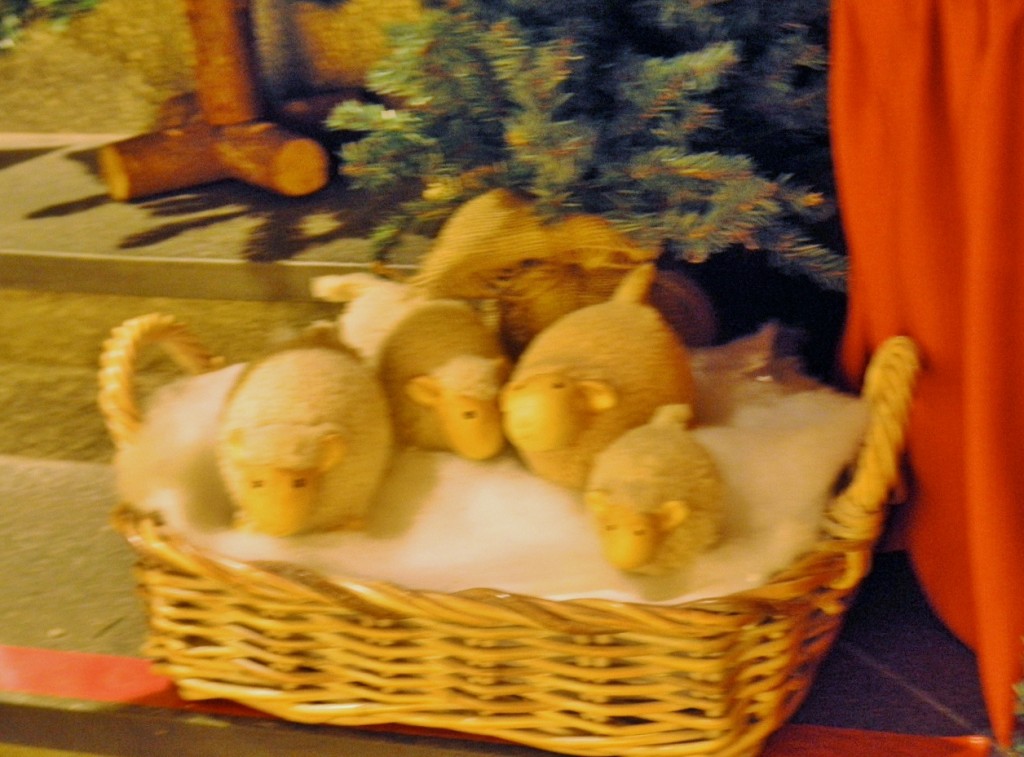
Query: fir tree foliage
x=694 y=125
x=16 y=14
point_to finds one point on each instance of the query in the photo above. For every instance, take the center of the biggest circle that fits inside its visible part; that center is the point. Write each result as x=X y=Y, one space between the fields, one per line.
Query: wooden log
x=262 y=154
x=177 y=111
x=274 y=158
x=308 y=114
x=161 y=162
x=224 y=137
x=226 y=74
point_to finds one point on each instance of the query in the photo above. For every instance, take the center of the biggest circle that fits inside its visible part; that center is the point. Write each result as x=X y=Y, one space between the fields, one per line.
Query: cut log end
x=302 y=168
x=268 y=156
x=114 y=173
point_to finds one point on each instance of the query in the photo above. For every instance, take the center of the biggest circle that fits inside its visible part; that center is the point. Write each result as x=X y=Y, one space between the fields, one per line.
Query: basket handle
x=117 y=390
x=888 y=387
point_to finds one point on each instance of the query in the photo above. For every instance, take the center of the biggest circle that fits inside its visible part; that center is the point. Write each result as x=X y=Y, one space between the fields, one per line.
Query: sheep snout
x=473 y=427
x=277 y=501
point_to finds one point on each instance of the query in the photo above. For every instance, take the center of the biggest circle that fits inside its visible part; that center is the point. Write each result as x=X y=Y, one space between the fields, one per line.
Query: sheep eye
x=299 y=483
x=558 y=385
x=469 y=414
x=257 y=484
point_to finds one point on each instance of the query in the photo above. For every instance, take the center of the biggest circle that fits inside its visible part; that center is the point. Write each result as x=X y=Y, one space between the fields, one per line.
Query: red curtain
x=927 y=108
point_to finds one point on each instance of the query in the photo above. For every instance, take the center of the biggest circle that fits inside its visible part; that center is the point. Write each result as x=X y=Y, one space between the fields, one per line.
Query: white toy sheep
x=589 y=377
x=373 y=307
x=656 y=496
x=441 y=366
x=304 y=439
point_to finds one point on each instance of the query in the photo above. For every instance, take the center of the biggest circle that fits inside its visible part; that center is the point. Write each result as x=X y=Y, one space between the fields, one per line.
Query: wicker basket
x=587 y=677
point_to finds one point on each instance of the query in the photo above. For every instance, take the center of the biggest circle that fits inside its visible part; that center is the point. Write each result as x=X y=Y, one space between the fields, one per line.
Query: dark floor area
x=895 y=667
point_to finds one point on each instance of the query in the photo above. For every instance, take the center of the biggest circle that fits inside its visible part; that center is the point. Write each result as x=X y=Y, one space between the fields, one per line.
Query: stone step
x=67 y=573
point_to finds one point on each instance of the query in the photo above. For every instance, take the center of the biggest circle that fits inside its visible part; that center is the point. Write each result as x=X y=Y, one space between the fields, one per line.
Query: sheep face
x=279 y=500
x=630 y=539
x=471 y=425
x=547 y=411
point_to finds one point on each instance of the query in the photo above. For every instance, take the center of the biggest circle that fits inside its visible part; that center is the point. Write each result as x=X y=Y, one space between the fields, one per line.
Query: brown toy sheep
x=497 y=247
x=589 y=377
x=441 y=366
x=443 y=370
x=656 y=496
x=304 y=439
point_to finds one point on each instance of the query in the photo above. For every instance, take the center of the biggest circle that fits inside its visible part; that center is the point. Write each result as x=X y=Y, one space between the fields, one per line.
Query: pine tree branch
x=664 y=116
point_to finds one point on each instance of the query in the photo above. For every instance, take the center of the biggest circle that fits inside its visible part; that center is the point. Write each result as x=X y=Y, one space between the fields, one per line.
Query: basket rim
x=794 y=585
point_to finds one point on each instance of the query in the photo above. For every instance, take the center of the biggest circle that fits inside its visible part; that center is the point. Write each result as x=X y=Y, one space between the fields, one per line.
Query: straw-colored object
x=589 y=677
x=496 y=246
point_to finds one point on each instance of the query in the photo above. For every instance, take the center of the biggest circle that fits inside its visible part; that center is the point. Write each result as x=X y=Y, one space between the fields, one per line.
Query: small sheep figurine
x=589 y=377
x=441 y=367
x=656 y=496
x=304 y=440
x=373 y=307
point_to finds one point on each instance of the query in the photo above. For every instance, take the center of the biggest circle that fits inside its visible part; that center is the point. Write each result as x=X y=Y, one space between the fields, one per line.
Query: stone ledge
x=208 y=279
x=55 y=205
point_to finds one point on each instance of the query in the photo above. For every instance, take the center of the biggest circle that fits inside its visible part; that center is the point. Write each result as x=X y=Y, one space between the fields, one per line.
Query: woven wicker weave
x=587 y=677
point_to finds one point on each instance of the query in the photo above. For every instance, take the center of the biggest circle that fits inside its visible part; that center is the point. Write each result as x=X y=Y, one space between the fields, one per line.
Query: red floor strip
x=97 y=678
x=129 y=681
x=817 y=741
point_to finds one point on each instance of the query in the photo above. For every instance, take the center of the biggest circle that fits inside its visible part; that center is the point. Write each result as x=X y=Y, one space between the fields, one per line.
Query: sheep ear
x=671 y=514
x=333 y=450
x=600 y=395
x=423 y=390
x=596 y=501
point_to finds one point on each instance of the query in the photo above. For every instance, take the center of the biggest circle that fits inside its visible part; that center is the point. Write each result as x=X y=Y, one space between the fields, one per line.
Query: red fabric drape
x=927 y=108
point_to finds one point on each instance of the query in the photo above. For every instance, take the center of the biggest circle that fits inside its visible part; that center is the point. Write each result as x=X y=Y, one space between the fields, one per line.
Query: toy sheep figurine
x=440 y=365
x=656 y=496
x=304 y=440
x=373 y=307
x=590 y=376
